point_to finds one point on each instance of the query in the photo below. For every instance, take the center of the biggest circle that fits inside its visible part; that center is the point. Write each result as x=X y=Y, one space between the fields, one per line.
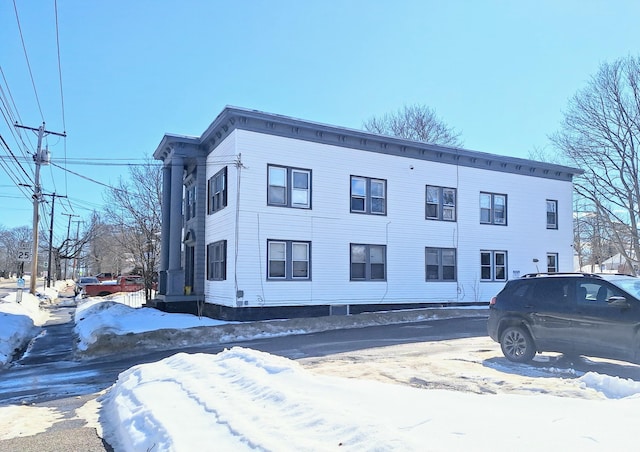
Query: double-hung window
x=190 y=203
x=493 y=208
x=493 y=265
x=368 y=262
x=368 y=195
x=440 y=264
x=552 y=262
x=441 y=203
x=289 y=187
x=552 y=214
x=288 y=260
x=217 y=188
x=217 y=261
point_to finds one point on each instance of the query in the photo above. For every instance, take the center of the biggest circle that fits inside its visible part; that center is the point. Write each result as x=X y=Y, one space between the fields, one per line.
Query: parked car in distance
x=130 y=283
x=575 y=314
x=105 y=276
x=83 y=281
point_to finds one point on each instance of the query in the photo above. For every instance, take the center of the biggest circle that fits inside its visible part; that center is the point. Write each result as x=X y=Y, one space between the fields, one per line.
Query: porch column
x=166 y=218
x=175 y=277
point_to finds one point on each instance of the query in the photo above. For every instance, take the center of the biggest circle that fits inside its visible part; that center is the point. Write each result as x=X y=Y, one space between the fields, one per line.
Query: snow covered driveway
x=470 y=365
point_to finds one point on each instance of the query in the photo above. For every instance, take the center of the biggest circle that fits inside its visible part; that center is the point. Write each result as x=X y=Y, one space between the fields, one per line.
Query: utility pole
x=66 y=261
x=75 y=259
x=39 y=158
x=53 y=204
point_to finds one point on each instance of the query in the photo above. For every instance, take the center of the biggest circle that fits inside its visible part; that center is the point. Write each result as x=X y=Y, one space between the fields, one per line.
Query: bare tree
x=71 y=248
x=415 y=122
x=134 y=207
x=600 y=133
x=11 y=239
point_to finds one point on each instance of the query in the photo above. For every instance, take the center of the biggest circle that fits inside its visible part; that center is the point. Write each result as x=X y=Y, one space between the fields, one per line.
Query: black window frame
x=190 y=202
x=492 y=208
x=441 y=207
x=493 y=265
x=440 y=265
x=289 y=187
x=217 y=261
x=553 y=214
x=289 y=261
x=367 y=265
x=367 y=197
x=217 y=192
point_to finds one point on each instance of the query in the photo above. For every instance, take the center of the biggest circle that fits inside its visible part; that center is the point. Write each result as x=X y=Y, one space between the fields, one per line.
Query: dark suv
x=571 y=313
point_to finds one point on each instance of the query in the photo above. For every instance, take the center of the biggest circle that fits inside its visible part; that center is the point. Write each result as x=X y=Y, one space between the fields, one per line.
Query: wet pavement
x=52 y=348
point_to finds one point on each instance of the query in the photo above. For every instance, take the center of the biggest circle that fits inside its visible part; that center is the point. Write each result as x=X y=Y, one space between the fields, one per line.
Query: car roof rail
x=577 y=274
x=582 y=274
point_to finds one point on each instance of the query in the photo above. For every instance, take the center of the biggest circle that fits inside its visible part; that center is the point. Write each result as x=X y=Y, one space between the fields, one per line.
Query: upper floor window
x=552 y=214
x=493 y=208
x=441 y=203
x=440 y=264
x=368 y=262
x=289 y=187
x=288 y=260
x=552 y=262
x=368 y=195
x=190 y=203
x=217 y=261
x=217 y=188
x=493 y=265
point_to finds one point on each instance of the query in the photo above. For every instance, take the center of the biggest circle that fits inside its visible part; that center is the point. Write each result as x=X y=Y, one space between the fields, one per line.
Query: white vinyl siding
x=249 y=222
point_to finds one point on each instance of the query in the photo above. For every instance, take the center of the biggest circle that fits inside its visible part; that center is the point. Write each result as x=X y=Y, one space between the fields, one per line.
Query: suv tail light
x=493 y=301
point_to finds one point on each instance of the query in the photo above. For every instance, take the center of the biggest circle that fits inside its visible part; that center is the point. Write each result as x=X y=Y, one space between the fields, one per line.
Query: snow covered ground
x=445 y=395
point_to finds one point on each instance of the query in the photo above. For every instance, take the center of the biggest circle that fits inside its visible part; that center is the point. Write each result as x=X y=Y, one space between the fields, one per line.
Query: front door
x=189 y=269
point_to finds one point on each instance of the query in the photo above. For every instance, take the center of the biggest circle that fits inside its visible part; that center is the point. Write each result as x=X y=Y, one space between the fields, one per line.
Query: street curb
x=110 y=343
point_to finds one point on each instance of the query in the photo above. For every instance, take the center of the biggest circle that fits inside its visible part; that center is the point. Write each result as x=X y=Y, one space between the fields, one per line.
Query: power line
x=26 y=56
x=97 y=161
x=64 y=126
x=84 y=177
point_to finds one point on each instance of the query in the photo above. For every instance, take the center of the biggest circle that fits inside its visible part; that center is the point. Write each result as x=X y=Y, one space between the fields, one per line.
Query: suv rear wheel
x=517 y=344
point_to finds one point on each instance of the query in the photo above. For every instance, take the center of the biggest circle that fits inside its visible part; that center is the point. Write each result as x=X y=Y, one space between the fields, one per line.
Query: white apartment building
x=268 y=216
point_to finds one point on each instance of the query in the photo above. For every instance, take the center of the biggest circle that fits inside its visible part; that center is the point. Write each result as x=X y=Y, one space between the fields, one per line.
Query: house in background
x=267 y=216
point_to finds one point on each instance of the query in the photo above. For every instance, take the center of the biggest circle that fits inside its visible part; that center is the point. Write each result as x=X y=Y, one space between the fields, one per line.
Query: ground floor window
x=440 y=264
x=368 y=262
x=217 y=261
x=493 y=265
x=288 y=260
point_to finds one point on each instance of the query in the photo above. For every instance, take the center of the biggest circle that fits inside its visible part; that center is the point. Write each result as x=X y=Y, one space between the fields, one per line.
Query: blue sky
x=501 y=72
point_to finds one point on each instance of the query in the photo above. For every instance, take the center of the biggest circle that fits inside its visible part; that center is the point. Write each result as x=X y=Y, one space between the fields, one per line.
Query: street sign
x=24 y=254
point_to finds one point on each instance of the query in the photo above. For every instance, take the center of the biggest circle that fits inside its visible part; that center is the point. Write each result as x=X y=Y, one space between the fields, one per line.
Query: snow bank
x=243 y=399
x=19 y=323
